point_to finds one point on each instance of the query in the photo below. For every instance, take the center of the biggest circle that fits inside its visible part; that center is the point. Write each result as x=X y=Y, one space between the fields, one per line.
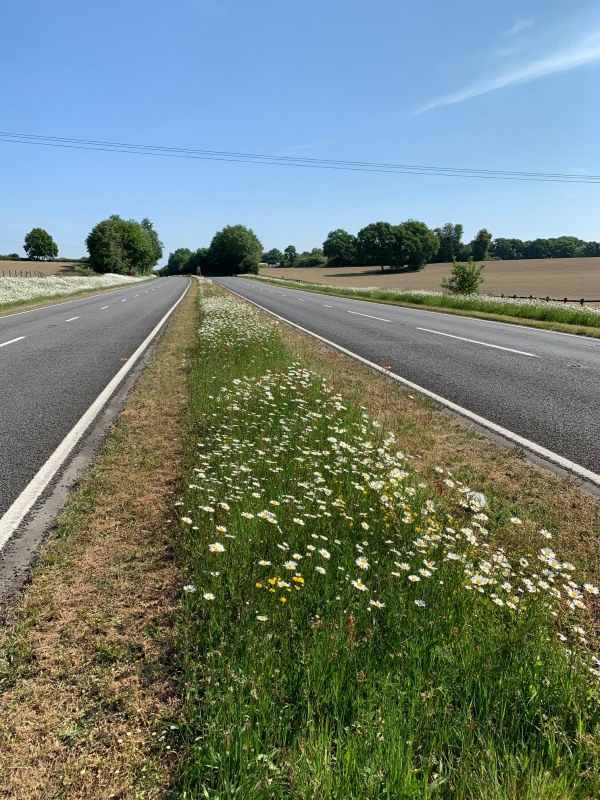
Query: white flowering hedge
x=348 y=629
x=20 y=290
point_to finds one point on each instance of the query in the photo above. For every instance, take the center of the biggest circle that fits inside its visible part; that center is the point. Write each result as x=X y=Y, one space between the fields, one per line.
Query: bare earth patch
x=556 y=278
x=86 y=676
x=45 y=267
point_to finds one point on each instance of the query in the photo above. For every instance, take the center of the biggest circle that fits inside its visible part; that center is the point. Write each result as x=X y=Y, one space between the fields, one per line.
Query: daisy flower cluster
x=299 y=504
x=13 y=290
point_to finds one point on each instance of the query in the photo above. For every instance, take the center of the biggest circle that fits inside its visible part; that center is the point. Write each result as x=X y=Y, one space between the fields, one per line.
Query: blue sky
x=503 y=86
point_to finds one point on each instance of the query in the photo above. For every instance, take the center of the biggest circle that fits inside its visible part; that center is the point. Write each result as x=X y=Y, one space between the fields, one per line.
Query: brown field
x=556 y=278
x=46 y=267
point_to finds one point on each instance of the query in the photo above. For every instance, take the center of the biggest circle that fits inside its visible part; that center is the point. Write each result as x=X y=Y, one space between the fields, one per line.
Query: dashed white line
x=124 y=300
x=301 y=300
x=103 y=307
x=358 y=314
x=483 y=344
x=326 y=306
x=18 y=339
x=72 y=319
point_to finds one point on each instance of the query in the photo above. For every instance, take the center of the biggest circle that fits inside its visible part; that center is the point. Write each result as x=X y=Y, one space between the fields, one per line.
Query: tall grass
x=551 y=311
x=346 y=630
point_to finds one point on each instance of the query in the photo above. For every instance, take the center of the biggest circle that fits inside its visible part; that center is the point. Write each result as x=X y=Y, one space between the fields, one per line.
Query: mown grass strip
x=350 y=630
x=580 y=322
x=88 y=678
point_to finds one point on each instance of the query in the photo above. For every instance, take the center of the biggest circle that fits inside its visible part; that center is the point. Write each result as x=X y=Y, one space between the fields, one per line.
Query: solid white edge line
x=18 y=339
x=118 y=287
x=475 y=341
x=571 y=466
x=72 y=319
x=31 y=493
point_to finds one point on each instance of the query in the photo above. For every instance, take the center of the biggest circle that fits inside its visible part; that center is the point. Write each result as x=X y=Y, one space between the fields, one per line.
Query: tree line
x=381 y=243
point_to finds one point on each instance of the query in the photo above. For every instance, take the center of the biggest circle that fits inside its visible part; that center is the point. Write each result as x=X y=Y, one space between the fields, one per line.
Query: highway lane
x=54 y=362
x=541 y=385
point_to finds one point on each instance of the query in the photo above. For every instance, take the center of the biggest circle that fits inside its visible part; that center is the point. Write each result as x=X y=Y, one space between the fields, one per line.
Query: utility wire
x=292 y=161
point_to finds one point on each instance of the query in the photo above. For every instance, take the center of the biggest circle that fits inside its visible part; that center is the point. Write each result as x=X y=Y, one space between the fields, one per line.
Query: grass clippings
x=86 y=676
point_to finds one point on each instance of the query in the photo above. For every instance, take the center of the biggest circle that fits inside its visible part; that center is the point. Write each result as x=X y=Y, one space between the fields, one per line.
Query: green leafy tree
x=178 y=262
x=274 y=257
x=120 y=246
x=290 y=256
x=39 y=245
x=157 y=245
x=449 y=237
x=235 y=249
x=480 y=245
x=507 y=249
x=464 y=279
x=415 y=245
x=565 y=246
x=591 y=249
x=376 y=244
x=340 y=248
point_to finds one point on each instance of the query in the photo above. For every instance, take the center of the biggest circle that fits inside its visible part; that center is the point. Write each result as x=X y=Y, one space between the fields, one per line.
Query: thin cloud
x=584 y=51
x=519 y=25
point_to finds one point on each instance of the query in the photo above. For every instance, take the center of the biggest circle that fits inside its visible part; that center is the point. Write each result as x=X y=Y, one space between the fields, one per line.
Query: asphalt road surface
x=541 y=385
x=55 y=361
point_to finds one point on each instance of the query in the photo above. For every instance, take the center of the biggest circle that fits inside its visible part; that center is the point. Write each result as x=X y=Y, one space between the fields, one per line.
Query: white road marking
x=358 y=314
x=103 y=307
x=30 y=494
x=548 y=455
x=484 y=344
x=124 y=300
x=326 y=306
x=136 y=295
x=301 y=300
x=72 y=319
x=18 y=339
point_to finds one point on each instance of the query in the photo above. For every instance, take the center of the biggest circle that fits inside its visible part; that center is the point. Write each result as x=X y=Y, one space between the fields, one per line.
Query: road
x=541 y=385
x=55 y=361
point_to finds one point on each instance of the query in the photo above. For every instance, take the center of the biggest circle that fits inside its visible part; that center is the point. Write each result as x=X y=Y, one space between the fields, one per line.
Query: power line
x=292 y=161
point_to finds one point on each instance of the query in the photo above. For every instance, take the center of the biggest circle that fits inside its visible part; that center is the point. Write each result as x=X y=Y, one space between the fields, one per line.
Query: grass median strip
x=87 y=674
x=357 y=623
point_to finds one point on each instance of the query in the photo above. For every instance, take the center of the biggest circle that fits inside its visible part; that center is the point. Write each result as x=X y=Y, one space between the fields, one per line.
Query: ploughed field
x=45 y=267
x=556 y=278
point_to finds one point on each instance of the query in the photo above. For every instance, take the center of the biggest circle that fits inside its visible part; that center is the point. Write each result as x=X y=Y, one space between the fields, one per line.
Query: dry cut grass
x=86 y=680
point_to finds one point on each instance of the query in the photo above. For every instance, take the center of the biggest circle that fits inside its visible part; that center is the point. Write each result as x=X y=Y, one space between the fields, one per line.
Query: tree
x=507 y=249
x=481 y=244
x=234 y=249
x=40 y=245
x=464 y=279
x=157 y=245
x=200 y=259
x=118 y=245
x=290 y=256
x=449 y=237
x=376 y=244
x=274 y=257
x=178 y=262
x=415 y=244
x=538 y=248
x=340 y=248
x=591 y=249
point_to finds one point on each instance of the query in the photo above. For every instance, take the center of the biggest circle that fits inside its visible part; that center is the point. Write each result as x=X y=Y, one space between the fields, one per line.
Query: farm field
x=46 y=267
x=556 y=278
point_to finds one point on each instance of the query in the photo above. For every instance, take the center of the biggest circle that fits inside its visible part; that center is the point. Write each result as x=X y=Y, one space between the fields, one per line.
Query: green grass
x=299 y=684
x=552 y=316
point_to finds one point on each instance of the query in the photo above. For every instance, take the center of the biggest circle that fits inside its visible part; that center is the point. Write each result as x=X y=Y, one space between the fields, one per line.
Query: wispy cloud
x=519 y=25
x=583 y=49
